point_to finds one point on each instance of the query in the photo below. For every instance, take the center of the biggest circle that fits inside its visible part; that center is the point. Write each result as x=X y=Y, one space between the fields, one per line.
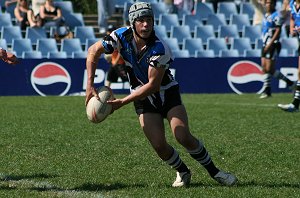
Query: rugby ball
x=98 y=110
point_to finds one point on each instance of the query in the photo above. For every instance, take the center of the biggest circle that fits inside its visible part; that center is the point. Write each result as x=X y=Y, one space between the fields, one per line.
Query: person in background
x=106 y=9
x=21 y=14
x=8 y=57
x=117 y=64
x=271 y=29
x=10 y=2
x=36 y=5
x=294 y=32
x=34 y=20
x=51 y=15
x=154 y=92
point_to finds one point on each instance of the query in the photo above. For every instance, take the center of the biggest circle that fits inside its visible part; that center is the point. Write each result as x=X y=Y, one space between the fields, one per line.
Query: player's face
x=270 y=6
x=144 y=26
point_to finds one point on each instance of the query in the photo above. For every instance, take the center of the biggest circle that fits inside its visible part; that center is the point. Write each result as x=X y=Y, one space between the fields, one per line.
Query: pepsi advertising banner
x=62 y=77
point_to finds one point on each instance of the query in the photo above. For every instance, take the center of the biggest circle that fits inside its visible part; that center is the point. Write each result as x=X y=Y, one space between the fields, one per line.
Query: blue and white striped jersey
x=270 y=23
x=295 y=13
x=155 y=54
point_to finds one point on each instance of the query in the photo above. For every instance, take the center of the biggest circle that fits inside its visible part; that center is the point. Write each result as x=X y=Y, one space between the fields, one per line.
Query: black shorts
x=273 y=52
x=160 y=103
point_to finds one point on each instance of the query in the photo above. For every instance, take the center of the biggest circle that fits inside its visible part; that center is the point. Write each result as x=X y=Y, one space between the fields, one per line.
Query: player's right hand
x=89 y=93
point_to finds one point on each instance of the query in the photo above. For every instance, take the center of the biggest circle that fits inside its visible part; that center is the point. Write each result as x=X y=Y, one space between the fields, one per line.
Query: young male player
x=154 y=92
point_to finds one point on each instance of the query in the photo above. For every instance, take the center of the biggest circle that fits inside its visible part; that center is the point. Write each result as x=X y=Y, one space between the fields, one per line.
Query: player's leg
x=178 y=120
x=153 y=127
x=294 y=106
x=276 y=73
x=266 y=64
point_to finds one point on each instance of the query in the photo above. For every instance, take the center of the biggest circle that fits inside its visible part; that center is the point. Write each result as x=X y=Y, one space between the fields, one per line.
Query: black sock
x=175 y=162
x=201 y=155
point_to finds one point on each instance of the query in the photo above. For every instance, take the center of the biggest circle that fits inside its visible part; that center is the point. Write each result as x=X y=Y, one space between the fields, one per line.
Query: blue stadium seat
x=35 y=33
x=229 y=53
x=119 y=4
x=182 y=12
x=71 y=45
x=168 y=20
x=283 y=33
x=247 y=8
x=241 y=44
x=21 y=45
x=3 y=44
x=160 y=31
x=258 y=43
x=83 y=33
x=32 y=55
x=57 y=55
x=192 y=45
x=291 y=44
x=204 y=32
x=172 y=43
x=90 y=42
x=252 y=53
x=205 y=54
x=252 y=32
x=46 y=45
x=65 y=6
x=216 y=20
x=180 y=32
x=229 y=31
x=216 y=44
x=181 y=53
x=10 y=33
x=203 y=10
x=227 y=8
x=192 y=21
x=158 y=8
x=5 y=20
x=82 y=54
x=240 y=20
x=74 y=19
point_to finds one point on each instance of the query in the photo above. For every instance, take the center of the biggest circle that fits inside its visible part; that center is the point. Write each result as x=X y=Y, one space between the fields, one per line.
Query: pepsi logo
x=245 y=77
x=50 y=78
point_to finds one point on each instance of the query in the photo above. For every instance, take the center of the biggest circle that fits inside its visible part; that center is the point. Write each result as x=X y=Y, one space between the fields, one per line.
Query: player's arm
x=275 y=37
x=94 y=53
x=155 y=76
x=292 y=26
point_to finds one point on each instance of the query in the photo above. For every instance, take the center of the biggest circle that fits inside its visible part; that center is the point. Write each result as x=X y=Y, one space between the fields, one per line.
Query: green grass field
x=50 y=149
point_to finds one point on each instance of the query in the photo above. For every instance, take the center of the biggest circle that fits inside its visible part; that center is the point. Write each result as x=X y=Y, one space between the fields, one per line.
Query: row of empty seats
x=48 y=47
x=240 y=47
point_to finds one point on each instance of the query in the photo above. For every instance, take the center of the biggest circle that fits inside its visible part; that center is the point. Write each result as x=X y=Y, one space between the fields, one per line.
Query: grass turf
x=49 y=149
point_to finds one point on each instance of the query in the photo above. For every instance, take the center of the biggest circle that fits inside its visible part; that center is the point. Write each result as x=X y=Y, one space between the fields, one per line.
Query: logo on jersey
x=245 y=77
x=50 y=78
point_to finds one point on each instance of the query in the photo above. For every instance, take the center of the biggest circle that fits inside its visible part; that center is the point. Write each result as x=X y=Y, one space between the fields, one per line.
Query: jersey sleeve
x=110 y=43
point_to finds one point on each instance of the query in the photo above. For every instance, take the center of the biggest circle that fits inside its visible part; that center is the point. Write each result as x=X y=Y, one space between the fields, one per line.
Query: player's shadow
x=20 y=177
x=250 y=184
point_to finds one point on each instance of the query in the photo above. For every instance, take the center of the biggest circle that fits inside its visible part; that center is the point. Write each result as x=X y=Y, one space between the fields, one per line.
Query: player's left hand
x=116 y=104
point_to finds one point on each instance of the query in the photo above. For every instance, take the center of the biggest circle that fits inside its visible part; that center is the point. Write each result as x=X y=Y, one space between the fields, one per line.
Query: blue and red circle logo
x=50 y=78
x=245 y=77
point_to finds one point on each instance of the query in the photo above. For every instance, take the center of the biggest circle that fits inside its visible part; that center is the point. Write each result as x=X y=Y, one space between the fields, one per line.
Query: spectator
x=36 y=5
x=106 y=9
x=117 y=64
x=21 y=13
x=8 y=57
x=51 y=15
x=34 y=20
